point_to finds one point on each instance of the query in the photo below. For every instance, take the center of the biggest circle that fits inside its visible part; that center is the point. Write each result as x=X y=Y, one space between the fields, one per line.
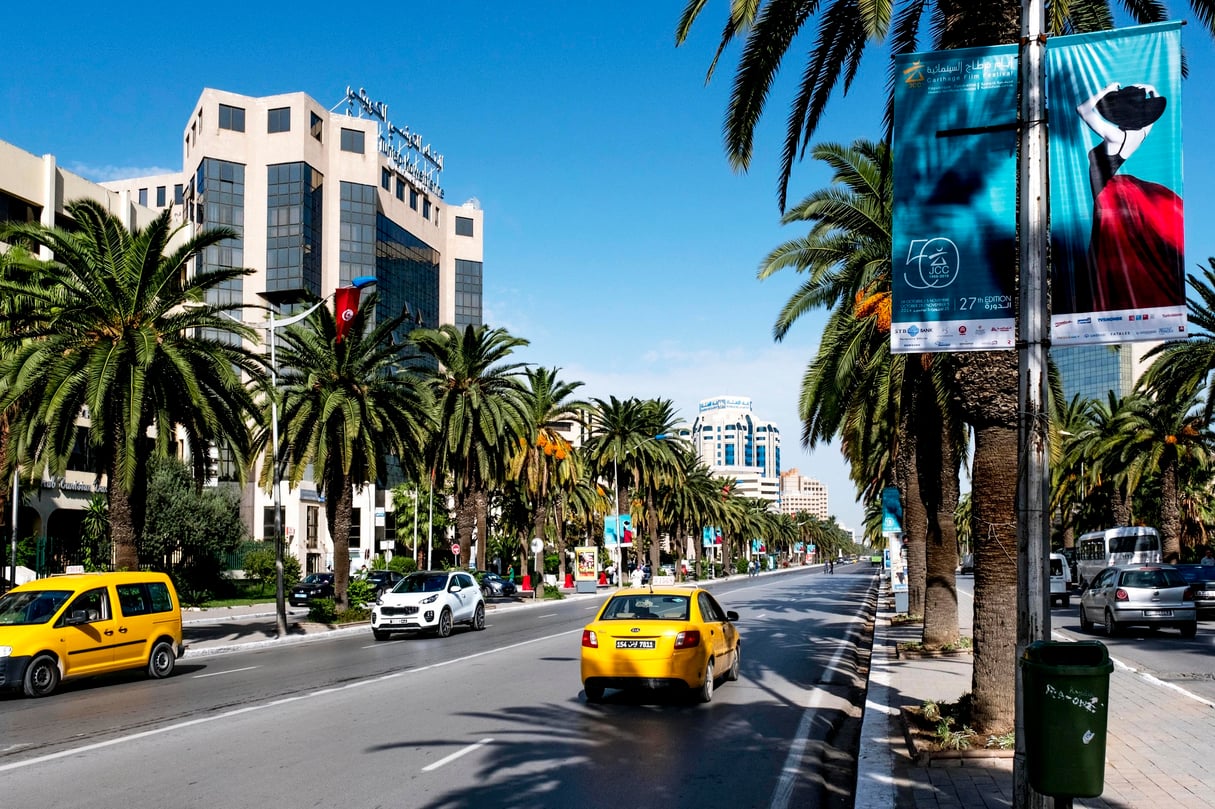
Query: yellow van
x=80 y=624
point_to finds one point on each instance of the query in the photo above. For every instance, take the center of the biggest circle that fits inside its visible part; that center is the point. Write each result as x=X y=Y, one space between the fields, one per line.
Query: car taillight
x=1121 y=595
x=1188 y=595
x=590 y=639
x=687 y=639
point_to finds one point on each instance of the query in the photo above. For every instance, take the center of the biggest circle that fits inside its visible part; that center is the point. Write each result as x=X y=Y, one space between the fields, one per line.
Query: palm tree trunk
x=481 y=502
x=122 y=520
x=339 y=503
x=1170 y=512
x=993 y=681
x=941 y=542
x=915 y=520
x=466 y=518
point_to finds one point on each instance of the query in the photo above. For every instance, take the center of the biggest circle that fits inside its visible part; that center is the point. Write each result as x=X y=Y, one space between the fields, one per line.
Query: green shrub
x=360 y=592
x=403 y=564
x=740 y=565
x=322 y=610
x=353 y=615
x=553 y=591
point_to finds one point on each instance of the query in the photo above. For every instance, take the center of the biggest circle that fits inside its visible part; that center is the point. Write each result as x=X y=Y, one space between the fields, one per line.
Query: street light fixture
x=280 y=604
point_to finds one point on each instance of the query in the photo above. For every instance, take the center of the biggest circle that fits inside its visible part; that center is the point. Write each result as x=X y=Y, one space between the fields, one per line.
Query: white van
x=1060 y=580
x=1125 y=545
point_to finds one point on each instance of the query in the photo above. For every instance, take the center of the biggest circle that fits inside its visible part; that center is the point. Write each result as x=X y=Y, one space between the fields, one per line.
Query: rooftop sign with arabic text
x=403 y=148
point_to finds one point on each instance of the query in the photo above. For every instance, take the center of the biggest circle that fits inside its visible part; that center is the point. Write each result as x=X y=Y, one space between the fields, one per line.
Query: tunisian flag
x=346 y=306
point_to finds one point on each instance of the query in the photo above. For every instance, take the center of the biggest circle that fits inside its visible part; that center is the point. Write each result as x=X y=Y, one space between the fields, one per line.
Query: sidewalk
x=1156 y=748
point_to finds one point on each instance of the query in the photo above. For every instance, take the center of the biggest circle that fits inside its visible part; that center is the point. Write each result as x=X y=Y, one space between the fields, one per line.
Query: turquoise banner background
x=955 y=197
x=1123 y=278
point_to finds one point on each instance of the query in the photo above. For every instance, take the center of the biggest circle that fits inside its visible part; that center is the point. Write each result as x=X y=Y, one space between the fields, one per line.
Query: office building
x=733 y=443
x=802 y=494
x=1093 y=371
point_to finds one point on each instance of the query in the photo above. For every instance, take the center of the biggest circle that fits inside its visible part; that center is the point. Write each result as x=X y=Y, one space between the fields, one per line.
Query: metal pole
x=430 y=520
x=415 y=524
x=280 y=606
x=616 y=492
x=1033 y=614
x=12 y=557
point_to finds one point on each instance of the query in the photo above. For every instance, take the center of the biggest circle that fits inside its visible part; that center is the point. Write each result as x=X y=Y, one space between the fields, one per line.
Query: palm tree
x=481 y=413
x=346 y=408
x=986 y=381
x=544 y=462
x=103 y=328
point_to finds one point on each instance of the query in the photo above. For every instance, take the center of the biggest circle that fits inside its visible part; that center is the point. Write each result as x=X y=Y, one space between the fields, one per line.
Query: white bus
x=1126 y=545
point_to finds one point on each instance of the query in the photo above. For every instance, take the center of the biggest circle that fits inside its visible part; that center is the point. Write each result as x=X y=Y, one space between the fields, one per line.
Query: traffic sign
x=455 y=548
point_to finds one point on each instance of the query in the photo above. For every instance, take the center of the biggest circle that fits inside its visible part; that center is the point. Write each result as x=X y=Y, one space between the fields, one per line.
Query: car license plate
x=634 y=644
x=1157 y=613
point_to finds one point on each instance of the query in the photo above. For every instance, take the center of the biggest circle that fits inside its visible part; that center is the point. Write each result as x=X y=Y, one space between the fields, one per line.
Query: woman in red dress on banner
x=1136 y=251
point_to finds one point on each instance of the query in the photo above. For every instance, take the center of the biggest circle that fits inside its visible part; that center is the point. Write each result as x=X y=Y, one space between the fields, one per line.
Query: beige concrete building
x=799 y=493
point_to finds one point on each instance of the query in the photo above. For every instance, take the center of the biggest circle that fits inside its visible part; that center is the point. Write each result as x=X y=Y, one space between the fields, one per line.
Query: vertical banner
x=955 y=200
x=1117 y=246
x=346 y=306
x=617 y=530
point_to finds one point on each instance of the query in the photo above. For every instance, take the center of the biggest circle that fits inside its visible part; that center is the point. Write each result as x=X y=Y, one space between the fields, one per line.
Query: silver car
x=1139 y=595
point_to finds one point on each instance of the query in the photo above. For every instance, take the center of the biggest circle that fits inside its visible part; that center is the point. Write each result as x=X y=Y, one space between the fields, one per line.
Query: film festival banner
x=955 y=200
x=1118 y=271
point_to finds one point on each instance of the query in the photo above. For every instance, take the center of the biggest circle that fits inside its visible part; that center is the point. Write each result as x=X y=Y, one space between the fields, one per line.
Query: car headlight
x=431 y=599
x=5 y=651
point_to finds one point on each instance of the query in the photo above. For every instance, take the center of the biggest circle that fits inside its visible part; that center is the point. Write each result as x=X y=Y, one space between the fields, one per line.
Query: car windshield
x=647 y=607
x=31 y=607
x=1198 y=572
x=316 y=578
x=422 y=583
x=1152 y=577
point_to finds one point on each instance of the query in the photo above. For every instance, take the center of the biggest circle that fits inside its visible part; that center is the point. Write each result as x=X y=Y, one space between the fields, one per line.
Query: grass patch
x=947 y=726
x=963 y=644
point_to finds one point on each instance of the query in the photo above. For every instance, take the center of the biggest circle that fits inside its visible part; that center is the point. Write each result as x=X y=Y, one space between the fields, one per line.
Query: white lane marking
x=16 y=765
x=792 y=766
x=455 y=755
x=549 y=615
x=229 y=671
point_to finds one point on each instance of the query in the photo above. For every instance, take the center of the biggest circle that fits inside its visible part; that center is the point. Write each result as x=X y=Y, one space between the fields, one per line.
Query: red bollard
x=602 y=577
x=569 y=581
x=527 y=582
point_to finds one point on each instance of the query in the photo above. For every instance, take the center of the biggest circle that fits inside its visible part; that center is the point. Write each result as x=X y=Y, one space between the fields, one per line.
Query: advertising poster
x=1118 y=269
x=587 y=559
x=617 y=530
x=955 y=200
x=710 y=537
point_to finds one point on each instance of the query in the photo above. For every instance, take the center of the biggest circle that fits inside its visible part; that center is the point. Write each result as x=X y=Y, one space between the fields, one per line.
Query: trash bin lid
x=1068 y=653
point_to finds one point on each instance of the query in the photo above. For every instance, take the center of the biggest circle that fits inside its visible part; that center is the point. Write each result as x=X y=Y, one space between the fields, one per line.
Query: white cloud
x=102 y=174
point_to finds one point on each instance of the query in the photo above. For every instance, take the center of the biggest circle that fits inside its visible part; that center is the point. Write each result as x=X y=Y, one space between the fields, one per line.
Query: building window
x=232 y=118
x=426 y=208
x=385 y=179
x=160 y=196
x=178 y=194
x=316 y=125
x=312 y=527
x=464 y=226
x=279 y=120
x=143 y=197
x=400 y=189
x=413 y=198
x=352 y=141
x=468 y=293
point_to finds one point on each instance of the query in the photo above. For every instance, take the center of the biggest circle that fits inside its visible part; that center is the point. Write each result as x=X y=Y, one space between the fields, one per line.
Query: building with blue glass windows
x=733 y=443
x=318 y=197
x=1094 y=371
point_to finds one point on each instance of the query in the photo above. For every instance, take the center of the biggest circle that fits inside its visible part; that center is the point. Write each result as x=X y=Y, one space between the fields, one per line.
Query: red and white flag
x=346 y=306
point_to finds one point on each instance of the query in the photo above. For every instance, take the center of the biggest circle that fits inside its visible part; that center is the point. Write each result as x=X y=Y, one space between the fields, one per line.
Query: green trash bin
x=1066 y=693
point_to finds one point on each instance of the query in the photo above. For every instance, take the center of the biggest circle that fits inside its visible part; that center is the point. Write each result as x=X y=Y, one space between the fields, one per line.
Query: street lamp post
x=280 y=604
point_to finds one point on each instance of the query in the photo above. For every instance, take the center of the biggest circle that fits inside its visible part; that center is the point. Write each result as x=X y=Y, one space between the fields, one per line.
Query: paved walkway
x=1157 y=749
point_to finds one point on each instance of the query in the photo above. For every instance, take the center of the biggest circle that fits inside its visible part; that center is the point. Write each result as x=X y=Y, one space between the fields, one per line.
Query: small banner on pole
x=346 y=306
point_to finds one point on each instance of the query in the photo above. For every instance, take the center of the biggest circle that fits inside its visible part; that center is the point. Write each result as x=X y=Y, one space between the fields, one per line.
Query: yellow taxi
x=69 y=626
x=654 y=637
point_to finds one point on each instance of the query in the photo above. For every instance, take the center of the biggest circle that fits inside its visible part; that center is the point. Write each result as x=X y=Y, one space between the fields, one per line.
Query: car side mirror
x=455 y=588
x=76 y=617
x=731 y=615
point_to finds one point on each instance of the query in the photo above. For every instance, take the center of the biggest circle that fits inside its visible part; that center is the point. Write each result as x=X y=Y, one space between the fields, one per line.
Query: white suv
x=429 y=601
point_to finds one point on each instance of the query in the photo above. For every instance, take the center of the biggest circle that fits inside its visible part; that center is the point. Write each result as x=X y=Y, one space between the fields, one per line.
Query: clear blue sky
x=617 y=238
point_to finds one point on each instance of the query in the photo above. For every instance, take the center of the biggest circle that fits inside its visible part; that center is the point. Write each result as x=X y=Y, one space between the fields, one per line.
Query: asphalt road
x=494 y=718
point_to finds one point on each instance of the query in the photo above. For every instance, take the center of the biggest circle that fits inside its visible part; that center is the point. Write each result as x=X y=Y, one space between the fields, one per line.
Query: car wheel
x=706 y=691
x=594 y=691
x=732 y=673
x=1189 y=629
x=161 y=660
x=42 y=676
x=1111 y=626
x=486 y=592
x=478 y=622
x=1085 y=624
x=444 y=627
x=379 y=634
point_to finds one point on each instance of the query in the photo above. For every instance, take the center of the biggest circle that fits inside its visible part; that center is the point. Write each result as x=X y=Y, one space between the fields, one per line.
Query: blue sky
x=617 y=238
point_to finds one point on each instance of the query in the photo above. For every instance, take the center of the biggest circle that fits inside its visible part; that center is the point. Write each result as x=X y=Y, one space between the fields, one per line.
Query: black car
x=383 y=580
x=1202 y=580
x=314 y=585
x=494 y=585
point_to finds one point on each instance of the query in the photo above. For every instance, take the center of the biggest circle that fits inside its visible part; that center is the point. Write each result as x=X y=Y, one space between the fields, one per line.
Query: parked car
x=1202 y=579
x=968 y=564
x=383 y=580
x=429 y=601
x=1060 y=580
x=494 y=585
x=313 y=586
x=1139 y=595
x=660 y=636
